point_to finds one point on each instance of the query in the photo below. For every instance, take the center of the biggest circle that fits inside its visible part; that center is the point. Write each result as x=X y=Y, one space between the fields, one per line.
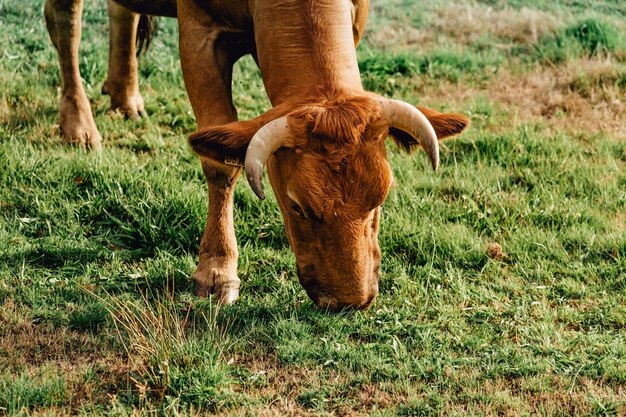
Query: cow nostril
x=311 y=288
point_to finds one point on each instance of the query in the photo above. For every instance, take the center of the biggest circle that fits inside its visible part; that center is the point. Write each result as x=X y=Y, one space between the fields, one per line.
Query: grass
x=504 y=274
x=175 y=356
x=586 y=37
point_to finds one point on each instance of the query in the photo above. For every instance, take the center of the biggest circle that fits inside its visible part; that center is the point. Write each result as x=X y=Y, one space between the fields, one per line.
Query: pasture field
x=503 y=287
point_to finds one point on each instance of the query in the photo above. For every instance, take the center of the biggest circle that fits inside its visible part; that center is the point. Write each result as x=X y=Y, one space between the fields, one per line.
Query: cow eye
x=297 y=209
x=305 y=212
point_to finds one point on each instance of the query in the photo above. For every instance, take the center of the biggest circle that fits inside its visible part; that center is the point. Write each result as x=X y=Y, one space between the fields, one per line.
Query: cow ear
x=228 y=143
x=222 y=143
x=445 y=124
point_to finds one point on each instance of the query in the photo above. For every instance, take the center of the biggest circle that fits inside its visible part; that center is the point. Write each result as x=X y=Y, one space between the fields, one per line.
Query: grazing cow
x=323 y=141
x=63 y=20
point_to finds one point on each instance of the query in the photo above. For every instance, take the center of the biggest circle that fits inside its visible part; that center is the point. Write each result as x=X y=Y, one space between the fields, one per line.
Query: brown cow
x=323 y=141
x=63 y=20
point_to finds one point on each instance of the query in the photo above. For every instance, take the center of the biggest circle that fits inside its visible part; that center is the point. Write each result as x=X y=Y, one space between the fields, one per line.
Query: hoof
x=88 y=138
x=225 y=288
x=77 y=125
x=131 y=106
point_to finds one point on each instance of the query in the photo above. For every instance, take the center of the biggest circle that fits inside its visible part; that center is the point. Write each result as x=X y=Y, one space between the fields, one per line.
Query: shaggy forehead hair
x=342 y=168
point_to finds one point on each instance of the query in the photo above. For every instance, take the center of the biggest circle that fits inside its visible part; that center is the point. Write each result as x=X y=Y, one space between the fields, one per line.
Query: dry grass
x=580 y=96
x=584 y=96
x=89 y=369
x=469 y=23
x=495 y=251
x=399 y=37
x=465 y=25
x=5 y=113
x=25 y=344
x=548 y=395
x=281 y=394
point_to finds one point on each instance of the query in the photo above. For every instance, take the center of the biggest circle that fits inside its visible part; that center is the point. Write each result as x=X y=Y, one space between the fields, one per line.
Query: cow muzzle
x=330 y=297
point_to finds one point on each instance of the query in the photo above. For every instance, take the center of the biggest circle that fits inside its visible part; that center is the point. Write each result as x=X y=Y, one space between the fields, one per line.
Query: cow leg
x=207 y=71
x=217 y=264
x=63 y=20
x=122 y=83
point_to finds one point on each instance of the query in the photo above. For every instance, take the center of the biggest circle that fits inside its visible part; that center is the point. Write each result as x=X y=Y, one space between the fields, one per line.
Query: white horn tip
x=254 y=174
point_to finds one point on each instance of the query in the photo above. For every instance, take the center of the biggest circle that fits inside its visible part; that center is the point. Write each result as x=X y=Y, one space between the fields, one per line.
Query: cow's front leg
x=207 y=58
x=63 y=20
x=217 y=264
x=122 y=83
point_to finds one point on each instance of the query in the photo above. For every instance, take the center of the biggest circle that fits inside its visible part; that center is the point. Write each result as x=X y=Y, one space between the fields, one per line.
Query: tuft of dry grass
x=161 y=340
x=5 y=113
x=495 y=251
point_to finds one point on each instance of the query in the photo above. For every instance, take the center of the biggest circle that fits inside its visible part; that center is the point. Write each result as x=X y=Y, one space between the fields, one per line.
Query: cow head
x=328 y=167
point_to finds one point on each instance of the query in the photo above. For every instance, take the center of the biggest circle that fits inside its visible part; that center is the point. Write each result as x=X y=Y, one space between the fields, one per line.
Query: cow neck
x=305 y=47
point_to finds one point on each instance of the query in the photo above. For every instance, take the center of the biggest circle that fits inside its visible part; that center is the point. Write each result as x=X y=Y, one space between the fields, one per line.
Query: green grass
x=586 y=37
x=503 y=287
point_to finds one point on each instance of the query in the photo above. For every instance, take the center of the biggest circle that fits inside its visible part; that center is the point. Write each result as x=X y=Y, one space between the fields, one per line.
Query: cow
x=63 y=21
x=322 y=142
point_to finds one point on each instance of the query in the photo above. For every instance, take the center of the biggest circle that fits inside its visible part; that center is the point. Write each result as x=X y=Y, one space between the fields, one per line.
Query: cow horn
x=405 y=117
x=264 y=143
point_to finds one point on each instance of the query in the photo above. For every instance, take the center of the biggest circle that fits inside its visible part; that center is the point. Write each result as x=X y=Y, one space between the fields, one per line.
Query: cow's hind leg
x=207 y=59
x=63 y=20
x=122 y=83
